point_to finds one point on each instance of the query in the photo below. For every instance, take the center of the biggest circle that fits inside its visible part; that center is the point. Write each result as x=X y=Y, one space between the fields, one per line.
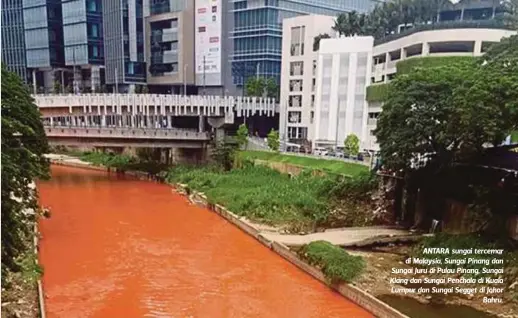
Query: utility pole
x=257 y=70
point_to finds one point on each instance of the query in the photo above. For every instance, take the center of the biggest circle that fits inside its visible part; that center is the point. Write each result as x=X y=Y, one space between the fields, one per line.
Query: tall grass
x=260 y=193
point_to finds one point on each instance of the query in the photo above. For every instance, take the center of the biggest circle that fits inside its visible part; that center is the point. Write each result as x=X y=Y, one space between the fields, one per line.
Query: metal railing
x=479 y=24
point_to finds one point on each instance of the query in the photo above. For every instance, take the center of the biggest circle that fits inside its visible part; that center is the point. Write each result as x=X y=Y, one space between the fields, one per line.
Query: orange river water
x=119 y=247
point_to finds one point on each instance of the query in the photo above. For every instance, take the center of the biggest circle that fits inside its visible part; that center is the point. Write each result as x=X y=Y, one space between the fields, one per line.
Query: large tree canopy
x=441 y=114
x=23 y=146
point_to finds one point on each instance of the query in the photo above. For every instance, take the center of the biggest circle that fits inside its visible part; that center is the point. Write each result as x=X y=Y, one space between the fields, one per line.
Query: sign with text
x=208 y=26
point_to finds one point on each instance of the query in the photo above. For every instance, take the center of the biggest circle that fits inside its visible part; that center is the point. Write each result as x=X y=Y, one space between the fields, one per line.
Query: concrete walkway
x=343 y=237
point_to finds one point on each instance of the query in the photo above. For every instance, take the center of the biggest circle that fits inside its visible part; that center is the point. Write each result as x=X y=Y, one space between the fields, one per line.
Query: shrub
x=336 y=264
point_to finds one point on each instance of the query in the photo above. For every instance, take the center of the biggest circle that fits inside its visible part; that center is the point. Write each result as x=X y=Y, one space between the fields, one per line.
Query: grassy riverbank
x=301 y=203
x=260 y=193
x=332 y=166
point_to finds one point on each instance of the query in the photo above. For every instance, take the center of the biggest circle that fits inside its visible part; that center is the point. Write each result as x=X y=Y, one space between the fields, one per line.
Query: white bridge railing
x=161 y=104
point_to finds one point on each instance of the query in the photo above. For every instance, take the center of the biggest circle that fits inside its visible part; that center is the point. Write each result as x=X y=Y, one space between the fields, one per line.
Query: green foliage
x=336 y=264
x=273 y=140
x=357 y=188
x=317 y=39
x=329 y=166
x=260 y=193
x=223 y=154
x=242 y=136
x=445 y=113
x=352 y=145
x=377 y=92
x=351 y=23
x=145 y=89
x=138 y=89
x=23 y=146
x=260 y=86
x=407 y=65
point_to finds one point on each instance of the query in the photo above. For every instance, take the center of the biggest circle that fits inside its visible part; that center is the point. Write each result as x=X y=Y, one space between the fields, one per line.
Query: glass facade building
x=257 y=31
x=83 y=32
x=43 y=33
x=13 y=40
x=124 y=42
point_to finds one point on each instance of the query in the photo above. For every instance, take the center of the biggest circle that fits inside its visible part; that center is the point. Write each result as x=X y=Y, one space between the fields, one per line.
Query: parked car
x=320 y=151
x=340 y=154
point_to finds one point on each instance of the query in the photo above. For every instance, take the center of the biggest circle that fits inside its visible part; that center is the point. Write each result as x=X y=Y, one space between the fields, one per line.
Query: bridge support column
x=201 y=123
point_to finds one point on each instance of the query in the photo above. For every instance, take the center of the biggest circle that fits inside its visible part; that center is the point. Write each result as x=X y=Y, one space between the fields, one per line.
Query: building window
x=312 y=100
x=295 y=101
x=296 y=86
x=95 y=51
x=297 y=40
x=314 y=67
x=94 y=30
x=295 y=117
x=296 y=68
x=312 y=117
x=92 y=6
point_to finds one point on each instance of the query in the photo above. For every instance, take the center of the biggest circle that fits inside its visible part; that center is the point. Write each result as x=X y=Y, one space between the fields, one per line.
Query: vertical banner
x=208 y=30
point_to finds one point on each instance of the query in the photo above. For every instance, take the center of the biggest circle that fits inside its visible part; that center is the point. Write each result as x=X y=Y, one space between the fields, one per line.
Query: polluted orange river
x=119 y=247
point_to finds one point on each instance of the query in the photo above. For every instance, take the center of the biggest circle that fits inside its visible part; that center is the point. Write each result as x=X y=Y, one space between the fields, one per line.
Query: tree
x=242 y=136
x=23 y=146
x=223 y=154
x=273 y=140
x=423 y=118
x=145 y=89
x=511 y=13
x=262 y=87
x=255 y=86
x=352 y=145
x=351 y=23
x=272 y=88
x=138 y=89
x=316 y=40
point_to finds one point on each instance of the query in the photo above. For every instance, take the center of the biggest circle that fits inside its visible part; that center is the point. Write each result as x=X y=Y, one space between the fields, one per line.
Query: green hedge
x=407 y=65
x=377 y=92
x=514 y=136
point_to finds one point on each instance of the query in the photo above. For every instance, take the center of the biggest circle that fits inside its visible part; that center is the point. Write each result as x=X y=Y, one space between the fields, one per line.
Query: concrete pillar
x=403 y=53
x=477 y=50
x=95 y=78
x=201 y=123
x=34 y=84
x=51 y=121
x=425 y=49
x=48 y=81
x=103 y=120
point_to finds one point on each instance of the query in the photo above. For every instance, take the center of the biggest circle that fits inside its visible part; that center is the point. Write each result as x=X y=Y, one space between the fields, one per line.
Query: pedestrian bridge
x=157 y=104
x=96 y=136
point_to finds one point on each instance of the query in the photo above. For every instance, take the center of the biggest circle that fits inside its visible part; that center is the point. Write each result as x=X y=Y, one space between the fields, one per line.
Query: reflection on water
x=119 y=247
x=415 y=309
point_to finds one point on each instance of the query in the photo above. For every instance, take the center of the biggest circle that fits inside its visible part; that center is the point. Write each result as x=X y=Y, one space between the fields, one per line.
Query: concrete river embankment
x=119 y=247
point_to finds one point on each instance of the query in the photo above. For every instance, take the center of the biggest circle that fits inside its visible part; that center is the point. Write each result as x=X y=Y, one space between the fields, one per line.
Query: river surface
x=119 y=247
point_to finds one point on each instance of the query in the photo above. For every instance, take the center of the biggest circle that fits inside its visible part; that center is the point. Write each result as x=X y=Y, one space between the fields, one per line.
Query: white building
x=343 y=73
x=298 y=75
x=423 y=43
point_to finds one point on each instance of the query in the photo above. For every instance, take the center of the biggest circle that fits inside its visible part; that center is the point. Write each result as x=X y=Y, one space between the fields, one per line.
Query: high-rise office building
x=13 y=38
x=124 y=44
x=83 y=41
x=43 y=29
x=257 y=31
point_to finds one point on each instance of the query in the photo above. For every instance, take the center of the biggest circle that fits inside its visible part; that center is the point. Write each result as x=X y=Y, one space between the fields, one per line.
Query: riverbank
x=351 y=292
x=379 y=264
